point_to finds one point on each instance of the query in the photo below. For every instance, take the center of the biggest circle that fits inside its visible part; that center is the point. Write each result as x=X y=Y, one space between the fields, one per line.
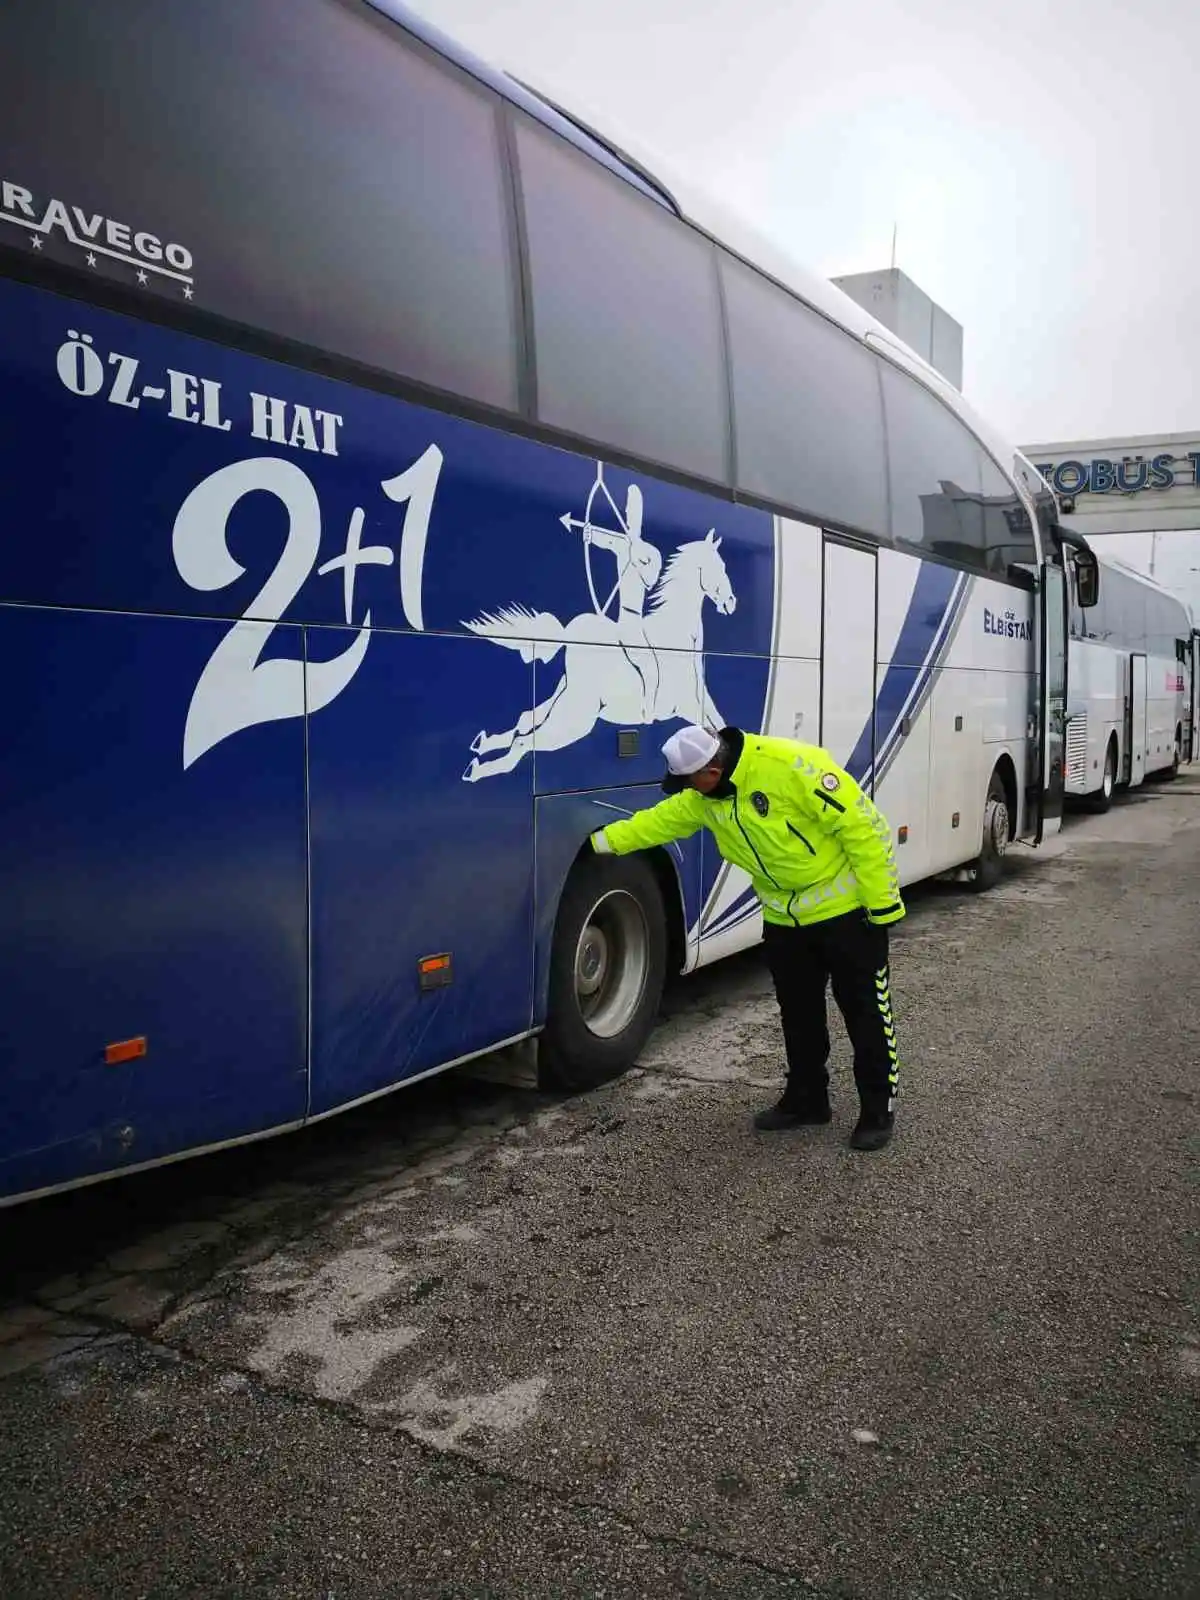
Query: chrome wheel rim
x=612 y=962
x=995 y=831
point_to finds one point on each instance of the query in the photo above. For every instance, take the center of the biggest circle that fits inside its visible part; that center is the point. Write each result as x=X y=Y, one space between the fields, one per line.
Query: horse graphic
x=631 y=670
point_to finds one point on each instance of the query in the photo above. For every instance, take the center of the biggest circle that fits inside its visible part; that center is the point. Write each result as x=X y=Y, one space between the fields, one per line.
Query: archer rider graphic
x=639 y=566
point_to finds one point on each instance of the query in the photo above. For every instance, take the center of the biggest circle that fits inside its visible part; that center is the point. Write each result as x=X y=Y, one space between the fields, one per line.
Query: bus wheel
x=1173 y=770
x=987 y=870
x=1100 y=799
x=608 y=964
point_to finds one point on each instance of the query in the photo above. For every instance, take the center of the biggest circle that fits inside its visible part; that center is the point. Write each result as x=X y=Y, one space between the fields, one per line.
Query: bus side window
x=1125 y=612
x=807 y=407
x=936 y=474
x=1007 y=531
x=626 y=313
x=334 y=184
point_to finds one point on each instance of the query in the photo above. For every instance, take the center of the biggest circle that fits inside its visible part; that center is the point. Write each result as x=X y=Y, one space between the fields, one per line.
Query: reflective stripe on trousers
x=852 y=953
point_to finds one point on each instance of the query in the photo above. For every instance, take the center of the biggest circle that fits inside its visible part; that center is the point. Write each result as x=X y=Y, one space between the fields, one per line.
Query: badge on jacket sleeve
x=760 y=802
x=830 y=781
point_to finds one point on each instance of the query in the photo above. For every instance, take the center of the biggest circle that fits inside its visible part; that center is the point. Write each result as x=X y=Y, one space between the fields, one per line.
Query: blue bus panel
x=140 y=900
x=290 y=665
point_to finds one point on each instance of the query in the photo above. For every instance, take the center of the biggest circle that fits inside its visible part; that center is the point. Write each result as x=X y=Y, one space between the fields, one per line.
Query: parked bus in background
x=390 y=466
x=1129 y=714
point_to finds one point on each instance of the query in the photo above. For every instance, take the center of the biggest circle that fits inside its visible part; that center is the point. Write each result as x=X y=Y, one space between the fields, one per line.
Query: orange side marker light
x=435 y=972
x=124 y=1050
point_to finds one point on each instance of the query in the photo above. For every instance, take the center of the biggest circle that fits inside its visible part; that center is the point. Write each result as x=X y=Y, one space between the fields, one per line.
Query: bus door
x=1139 y=690
x=848 y=655
x=1194 y=695
x=1052 y=699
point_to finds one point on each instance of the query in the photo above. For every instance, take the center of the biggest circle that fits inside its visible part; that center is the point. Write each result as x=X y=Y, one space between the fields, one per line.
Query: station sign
x=1131 y=485
x=1125 y=475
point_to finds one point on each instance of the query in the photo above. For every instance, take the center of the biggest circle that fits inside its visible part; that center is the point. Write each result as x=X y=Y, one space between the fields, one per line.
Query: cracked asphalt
x=474 y=1341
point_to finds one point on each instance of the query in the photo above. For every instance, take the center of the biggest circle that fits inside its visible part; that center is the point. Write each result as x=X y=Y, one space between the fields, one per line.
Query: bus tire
x=1171 y=771
x=1100 y=799
x=608 y=964
x=988 y=867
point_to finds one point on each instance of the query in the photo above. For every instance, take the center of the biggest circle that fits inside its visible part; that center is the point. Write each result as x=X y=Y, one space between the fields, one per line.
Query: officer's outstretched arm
x=842 y=809
x=677 y=817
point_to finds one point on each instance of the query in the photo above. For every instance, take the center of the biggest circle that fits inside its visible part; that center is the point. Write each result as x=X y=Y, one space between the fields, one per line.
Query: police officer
x=820 y=857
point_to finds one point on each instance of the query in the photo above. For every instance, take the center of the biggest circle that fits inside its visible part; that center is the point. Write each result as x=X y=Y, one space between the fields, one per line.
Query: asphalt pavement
x=473 y=1341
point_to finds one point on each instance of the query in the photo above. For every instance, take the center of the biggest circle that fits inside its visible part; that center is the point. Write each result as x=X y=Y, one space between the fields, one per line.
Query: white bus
x=415 y=463
x=1129 y=714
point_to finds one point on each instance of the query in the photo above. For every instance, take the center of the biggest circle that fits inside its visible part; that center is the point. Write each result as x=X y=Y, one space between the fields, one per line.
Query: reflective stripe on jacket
x=815 y=846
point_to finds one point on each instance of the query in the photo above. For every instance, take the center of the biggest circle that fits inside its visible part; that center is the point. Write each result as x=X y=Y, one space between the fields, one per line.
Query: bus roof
x=537 y=105
x=646 y=170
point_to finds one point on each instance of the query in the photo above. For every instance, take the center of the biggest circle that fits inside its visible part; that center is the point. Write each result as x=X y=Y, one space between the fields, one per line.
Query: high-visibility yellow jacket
x=814 y=844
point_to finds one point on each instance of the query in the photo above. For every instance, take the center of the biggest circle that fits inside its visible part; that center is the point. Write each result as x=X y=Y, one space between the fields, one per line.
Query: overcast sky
x=1040 y=157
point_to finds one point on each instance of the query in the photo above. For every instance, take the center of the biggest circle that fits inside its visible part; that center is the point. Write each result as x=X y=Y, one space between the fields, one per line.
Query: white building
x=911 y=315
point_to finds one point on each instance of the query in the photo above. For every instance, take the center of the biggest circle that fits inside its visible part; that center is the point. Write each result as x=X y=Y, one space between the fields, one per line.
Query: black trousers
x=854 y=955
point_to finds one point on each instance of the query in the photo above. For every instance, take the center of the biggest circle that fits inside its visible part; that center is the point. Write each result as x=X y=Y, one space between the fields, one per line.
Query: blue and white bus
x=389 y=465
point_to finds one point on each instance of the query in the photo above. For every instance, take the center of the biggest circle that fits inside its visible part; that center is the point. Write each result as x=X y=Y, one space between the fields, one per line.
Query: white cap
x=690 y=750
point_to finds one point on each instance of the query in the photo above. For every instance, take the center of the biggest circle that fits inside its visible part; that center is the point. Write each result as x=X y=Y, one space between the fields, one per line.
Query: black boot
x=875 y=1123
x=796 y=1110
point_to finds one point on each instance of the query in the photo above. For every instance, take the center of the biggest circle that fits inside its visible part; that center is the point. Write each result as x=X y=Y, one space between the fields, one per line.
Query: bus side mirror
x=1087 y=578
